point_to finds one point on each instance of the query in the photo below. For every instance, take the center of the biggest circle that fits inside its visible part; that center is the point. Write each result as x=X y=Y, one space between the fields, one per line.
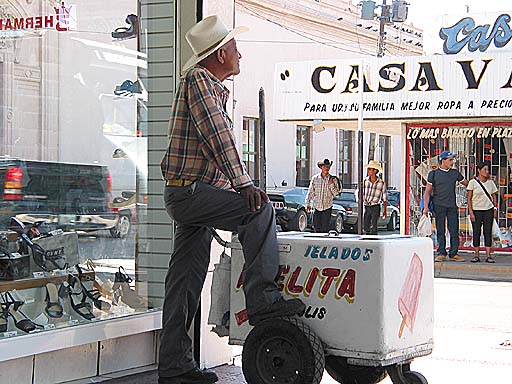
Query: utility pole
x=384 y=15
x=394 y=13
x=263 y=157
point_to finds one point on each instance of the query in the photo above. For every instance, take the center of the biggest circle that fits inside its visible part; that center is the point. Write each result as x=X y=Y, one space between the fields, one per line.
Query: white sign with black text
x=396 y=87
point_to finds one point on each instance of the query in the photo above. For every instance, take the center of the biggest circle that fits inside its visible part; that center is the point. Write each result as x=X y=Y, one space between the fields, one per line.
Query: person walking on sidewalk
x=207 y=186
x=482 y=205
x=322 y=190
x=441 y=183
x=374 y=194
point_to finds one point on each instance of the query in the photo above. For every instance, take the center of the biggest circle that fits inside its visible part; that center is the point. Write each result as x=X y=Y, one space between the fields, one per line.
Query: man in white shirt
x=322 y=190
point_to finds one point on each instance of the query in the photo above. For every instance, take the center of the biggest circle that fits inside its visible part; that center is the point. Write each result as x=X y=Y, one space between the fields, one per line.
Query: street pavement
x=472 y=334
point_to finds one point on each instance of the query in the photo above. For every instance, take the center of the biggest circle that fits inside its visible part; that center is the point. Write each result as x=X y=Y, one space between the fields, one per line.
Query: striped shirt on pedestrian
x=374 y=193
x=321 y=192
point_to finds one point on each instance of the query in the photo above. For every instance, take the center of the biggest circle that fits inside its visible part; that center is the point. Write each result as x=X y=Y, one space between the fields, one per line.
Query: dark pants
x=194 y=208
x=444 y=214
x=321 y=220
x=371 y=218
x=486 y=218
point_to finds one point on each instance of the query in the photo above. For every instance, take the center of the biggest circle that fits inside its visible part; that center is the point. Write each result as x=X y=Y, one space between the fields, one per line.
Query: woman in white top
x=482 y=209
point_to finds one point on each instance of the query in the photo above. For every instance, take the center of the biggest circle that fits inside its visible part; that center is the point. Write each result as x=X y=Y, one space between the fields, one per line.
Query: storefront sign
x=465 y=33
x=397 y=88
x=63 y=20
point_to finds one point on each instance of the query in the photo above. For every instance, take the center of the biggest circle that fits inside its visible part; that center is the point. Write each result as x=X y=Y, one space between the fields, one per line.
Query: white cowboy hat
x=206 y=36
x=375 y=165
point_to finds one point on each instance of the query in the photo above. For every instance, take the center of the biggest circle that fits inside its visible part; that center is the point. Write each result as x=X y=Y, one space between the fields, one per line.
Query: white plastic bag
x=496 y=232
x=425 y=226
x=219 y=306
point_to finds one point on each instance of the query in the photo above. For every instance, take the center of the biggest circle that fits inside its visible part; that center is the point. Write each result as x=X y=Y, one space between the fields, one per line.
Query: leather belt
x=178 y=183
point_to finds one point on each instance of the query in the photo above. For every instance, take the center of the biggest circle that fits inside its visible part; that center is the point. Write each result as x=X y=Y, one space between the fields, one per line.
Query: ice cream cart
x=369 y=313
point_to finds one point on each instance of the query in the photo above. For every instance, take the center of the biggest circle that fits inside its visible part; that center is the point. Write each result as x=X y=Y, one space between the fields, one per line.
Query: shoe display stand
x=39 y=281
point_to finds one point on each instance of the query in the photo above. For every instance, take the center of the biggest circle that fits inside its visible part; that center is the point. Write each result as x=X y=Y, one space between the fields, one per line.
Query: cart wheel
x=345 y=373
x=400 y=374
x=413 y=377
x=282 y=351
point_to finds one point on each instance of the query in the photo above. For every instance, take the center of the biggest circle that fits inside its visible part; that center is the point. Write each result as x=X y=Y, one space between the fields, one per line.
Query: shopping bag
x=425 y=226
x=496 y=232
x=219 y=306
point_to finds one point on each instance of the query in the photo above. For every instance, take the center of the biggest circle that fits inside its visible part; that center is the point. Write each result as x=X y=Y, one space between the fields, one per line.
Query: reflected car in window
x=291 y=215
x=66 y=195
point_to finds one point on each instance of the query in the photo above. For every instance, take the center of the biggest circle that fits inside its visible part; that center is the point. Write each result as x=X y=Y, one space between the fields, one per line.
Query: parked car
x=66 y=195
x=290 y=208
x=348 y=199
x=394 y=197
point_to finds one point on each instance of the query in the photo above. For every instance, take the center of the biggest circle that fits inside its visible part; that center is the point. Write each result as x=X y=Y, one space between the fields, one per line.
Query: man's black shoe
x=195 y=376
x=279 y=308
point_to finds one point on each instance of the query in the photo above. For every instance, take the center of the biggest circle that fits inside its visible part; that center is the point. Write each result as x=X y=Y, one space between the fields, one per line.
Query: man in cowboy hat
x=207 y=186
x=374 y=193
x=322 y=190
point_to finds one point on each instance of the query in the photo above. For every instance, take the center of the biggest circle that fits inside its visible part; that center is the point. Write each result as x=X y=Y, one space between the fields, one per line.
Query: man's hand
x=426 y=211
x=253 y=197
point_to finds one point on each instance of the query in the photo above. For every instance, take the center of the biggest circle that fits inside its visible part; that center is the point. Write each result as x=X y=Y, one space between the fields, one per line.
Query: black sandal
x=21 y=321
x=77 y=298
x=92 y=294
x=53 y=306
x=475 y=259
x=490 y=260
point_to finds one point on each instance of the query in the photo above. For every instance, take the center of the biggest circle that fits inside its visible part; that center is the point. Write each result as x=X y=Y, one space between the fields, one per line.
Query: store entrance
x=472 y=143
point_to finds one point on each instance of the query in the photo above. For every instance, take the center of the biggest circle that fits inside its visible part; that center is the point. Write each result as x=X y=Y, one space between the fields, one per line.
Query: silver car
x=348 y=199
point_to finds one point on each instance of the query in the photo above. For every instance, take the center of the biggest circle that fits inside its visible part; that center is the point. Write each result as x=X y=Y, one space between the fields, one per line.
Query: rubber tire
x=300 y=222
x=122 y=228
x=415 y=378
x=338 y=368
x=300 y=350
x=393 y=221
x=339 y=223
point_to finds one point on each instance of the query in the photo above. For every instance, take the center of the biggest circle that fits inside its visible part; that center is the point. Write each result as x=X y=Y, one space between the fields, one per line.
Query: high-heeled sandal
x=124 y=293
x=92 y=294
x=38 y=253
x=104 y=287
x=53 y=306
x=21 y=321
x=78 y=298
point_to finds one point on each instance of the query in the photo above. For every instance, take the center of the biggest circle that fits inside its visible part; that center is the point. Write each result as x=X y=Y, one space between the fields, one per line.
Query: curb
x=476 y=271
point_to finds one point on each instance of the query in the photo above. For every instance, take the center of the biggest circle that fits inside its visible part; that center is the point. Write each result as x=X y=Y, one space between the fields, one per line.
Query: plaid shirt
x=201 y=141
x=374 y=193
x=321 y=192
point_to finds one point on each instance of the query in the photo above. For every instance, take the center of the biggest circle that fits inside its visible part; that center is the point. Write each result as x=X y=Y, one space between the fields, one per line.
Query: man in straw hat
x=374 y=193
x=322 y=190
x=207 y=186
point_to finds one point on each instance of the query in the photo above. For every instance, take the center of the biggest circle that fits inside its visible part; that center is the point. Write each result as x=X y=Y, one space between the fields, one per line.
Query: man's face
x=448 y=163
x=231 y=58
x=325 y=169
x=371 y=171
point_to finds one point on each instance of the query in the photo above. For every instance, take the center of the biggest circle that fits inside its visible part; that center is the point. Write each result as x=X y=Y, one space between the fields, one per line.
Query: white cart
x=369 y=310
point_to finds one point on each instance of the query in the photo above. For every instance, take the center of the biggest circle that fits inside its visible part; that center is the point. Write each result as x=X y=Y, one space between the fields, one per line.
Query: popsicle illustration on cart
x=409 y=295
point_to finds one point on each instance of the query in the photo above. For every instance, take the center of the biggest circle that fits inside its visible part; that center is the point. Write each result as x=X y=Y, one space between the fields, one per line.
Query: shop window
x=345 y=156
x=303 y=154
x=385 y=156
x=73 y=167
x=471 y=143
x=250 y=147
